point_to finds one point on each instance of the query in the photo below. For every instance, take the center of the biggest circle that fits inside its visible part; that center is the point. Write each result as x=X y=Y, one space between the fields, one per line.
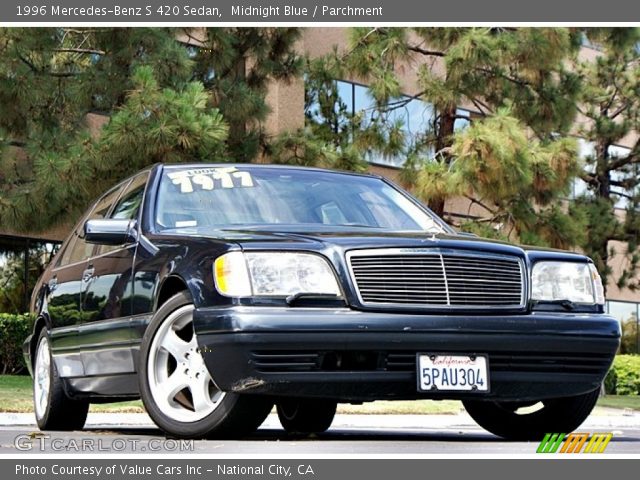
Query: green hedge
x=624 y=376
x=14 y=329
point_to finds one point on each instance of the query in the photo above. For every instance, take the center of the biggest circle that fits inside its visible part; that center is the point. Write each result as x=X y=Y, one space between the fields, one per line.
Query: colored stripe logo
x=574 y=442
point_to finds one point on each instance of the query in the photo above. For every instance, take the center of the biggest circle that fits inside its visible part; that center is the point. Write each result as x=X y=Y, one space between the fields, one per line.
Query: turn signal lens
x=598 y=289
x=231 y=275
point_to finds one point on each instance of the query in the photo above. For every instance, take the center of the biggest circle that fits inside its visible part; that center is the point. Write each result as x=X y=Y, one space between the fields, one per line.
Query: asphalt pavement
x=349 y=434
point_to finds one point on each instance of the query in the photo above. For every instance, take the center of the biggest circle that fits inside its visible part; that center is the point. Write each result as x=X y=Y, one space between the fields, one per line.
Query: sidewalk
x=610 y=418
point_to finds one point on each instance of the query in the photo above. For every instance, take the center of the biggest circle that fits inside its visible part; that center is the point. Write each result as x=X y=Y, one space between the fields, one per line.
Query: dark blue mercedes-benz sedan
x=214 y=292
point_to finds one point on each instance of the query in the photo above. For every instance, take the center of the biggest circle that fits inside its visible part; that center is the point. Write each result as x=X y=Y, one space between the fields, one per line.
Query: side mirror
x=110 y=231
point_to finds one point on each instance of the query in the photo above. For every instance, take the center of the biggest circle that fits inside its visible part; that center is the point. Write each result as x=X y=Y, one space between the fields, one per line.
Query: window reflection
x=586 y=151
x=22 y=261
x=414 y=114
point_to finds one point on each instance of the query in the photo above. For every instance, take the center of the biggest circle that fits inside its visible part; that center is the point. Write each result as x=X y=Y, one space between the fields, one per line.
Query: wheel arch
x=40 y=324
x=170 y=286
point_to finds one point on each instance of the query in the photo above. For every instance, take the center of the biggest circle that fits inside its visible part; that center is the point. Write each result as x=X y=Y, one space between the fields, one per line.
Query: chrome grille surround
x=437 y=278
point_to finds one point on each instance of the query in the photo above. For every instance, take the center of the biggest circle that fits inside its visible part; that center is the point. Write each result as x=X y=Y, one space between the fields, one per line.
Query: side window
x=127 y=207
x=77 y=249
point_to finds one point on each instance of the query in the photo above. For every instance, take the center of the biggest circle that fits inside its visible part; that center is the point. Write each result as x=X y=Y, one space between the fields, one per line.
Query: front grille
x=405 y=361
x=435 y=278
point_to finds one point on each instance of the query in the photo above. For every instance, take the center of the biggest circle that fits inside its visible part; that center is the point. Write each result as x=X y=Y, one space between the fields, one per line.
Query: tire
x=556 y=415
x=176 y=386
x=54 y=410
x=306 y=416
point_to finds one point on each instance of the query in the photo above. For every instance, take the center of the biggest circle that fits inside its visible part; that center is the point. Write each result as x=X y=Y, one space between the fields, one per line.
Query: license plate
x=444 y=373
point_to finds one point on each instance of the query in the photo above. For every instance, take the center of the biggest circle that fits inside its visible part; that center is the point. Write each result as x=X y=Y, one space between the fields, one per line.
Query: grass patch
x=15 y=397
x=631 y=402
x=15 y=394
x=400 y=407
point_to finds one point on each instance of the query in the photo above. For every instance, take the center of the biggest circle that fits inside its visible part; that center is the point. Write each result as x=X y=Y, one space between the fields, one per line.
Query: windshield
x=229 y=197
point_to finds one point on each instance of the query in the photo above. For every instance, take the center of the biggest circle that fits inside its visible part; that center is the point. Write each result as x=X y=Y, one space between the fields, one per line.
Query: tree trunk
x=238 y=129
x=604 y=192
x=444 y=140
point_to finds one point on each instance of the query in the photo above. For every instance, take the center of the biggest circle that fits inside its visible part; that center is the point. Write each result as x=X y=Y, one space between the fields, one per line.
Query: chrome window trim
x=438 y=252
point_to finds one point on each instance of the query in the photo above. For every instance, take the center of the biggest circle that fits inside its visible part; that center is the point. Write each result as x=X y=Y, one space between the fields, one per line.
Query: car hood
x=318 y=238
x=334 y=241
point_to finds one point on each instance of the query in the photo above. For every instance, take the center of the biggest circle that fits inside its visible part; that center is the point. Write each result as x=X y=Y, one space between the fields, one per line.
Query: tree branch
x=482 y=107
x=428 y=53
x=28 y=63
x=620 y=110
x=621 y=194
x=626 y=184
x=81 y=50
x=360 y=41
x=481 y=204
x=35 y=69
x=517 y=81
x=62 y=74
x=621 y=162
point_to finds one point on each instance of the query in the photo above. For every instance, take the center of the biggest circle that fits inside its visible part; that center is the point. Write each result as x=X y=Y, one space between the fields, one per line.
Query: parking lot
x=349 y=434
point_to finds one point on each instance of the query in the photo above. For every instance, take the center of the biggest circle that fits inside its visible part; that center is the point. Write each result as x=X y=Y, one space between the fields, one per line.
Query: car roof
x=257 y=166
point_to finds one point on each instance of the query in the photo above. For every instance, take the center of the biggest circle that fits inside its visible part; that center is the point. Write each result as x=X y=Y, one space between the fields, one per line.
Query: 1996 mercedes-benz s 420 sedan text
x=216 y=291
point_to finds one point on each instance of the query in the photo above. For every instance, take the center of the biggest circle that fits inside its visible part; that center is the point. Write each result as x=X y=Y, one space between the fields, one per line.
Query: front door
x=105 y=334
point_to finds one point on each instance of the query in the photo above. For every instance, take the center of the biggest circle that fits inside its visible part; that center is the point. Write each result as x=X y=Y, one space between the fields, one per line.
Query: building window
x=627 y=314
x=414 y=115
x=22 y=261
x=587 y=152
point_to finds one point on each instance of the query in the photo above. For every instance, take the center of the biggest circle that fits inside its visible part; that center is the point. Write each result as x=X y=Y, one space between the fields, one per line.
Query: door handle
x=88 y=274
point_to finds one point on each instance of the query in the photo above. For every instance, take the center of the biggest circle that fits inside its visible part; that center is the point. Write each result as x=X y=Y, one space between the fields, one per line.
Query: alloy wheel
x=179 y=380
x=42 y=377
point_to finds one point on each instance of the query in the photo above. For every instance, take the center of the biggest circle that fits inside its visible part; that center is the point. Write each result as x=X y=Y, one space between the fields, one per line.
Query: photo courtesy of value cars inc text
x=161 y=470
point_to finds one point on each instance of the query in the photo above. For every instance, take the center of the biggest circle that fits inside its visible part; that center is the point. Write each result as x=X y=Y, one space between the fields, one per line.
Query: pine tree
x=333 y=136
x=152 y=98
x=513 y=161
x=609 y=102
x=236 y=66
x=51 y=79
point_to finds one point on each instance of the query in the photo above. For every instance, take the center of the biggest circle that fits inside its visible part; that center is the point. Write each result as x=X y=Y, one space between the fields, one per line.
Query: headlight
x=239 y=274
x=575 y=282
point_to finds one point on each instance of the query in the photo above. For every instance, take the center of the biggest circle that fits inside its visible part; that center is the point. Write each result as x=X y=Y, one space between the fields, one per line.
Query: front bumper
x=350 y=355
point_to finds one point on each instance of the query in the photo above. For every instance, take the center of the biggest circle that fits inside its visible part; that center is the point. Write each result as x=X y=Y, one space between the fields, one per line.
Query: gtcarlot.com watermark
x=47 y=443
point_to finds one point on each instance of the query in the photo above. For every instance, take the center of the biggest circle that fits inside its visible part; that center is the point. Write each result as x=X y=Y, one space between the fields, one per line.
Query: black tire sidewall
x=305 y=416
x=558 y=415
x=62 y=413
